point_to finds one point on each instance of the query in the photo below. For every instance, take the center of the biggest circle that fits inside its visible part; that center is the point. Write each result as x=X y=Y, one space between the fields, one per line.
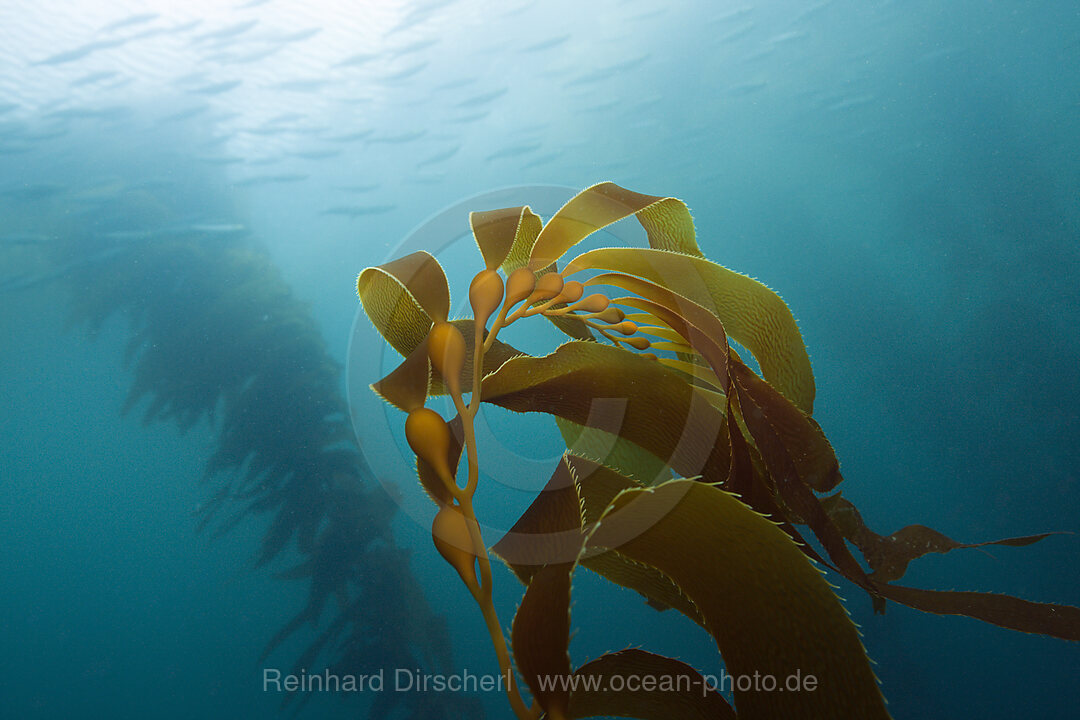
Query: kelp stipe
x=723 y=546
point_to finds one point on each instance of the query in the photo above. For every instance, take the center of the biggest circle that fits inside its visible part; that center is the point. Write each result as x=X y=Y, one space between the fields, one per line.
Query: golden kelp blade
x=549 y=532
x=770 y=622
x=407 y=386
x=403 y=297
x=613 y=451
x=552 y=528
x=542 y=546
x=505 y=236
x=617 y=391
x=667 y=222
x=752 y=314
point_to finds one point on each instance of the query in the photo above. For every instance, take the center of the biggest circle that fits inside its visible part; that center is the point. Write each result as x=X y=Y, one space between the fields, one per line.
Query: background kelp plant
x=695 y=491
x=217 y=336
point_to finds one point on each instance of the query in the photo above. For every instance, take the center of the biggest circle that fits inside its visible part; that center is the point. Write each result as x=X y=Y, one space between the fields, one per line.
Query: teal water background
x=904 y=174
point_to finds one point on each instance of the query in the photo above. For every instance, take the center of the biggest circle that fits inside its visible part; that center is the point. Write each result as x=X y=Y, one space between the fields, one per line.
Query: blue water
x=904 y=174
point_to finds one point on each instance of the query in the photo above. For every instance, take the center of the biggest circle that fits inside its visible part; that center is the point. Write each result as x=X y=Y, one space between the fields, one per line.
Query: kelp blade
x=687 y=694
x=403 y=297
x=505 y=236
x=752 y=314
x=773 y=622
x=609 y=388
x=666 y=221
x=541 y=548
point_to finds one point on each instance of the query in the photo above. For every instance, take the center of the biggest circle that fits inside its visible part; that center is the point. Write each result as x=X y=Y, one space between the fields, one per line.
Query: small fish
x=759 y=54
x=811 y=10
x=514 y=151
x=483 y=98
x=426 y=179
x=355 y=100
x=183 y=27
x=148 y=33
x=546 y=44
x=174 y=231
x=271 y=179
x=140 y=19
x=355 y=211
x=404 y=74
x=217 y=88
x=285 y=118
x=439 y=157
x=852 y=102
x=299 y=35
x=360 y=188
x=219 y=159
x=92 y=78
x=80 y=52
x=602 y=107
x=747 y=88
x=787 y=37
x=453 y=84
x=226 y=33
x=738 y=33
x=303 y=86
x=350 y=137
x=469 y=117
x=110 y=112
x=232 y=58
x=412 y=48
x=216 y=228
x=316 y=154
x=354 y=60
x=736 y=14
x=400 y=138
x=185 y=113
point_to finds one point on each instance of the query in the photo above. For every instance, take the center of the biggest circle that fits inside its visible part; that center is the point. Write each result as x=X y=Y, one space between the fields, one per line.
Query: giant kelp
x=724 y=540
x=216 y=334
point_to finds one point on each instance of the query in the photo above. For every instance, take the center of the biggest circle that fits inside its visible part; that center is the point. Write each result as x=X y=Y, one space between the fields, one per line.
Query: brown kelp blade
x=540 y=637
x=551 y=531
x=613 y=451
x=1060 y=621
x=407 y=386
x=403 y=297
x=681 y=691
x=803 y=438
x=505 y=236
x=777 y=622
x=667 y=221
x=889 y=556
x=542 y=549
x=788 y=619
x=699 y=328
x=619 y=392
x=752 y=314
x=795 y=494
x=415 y=379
